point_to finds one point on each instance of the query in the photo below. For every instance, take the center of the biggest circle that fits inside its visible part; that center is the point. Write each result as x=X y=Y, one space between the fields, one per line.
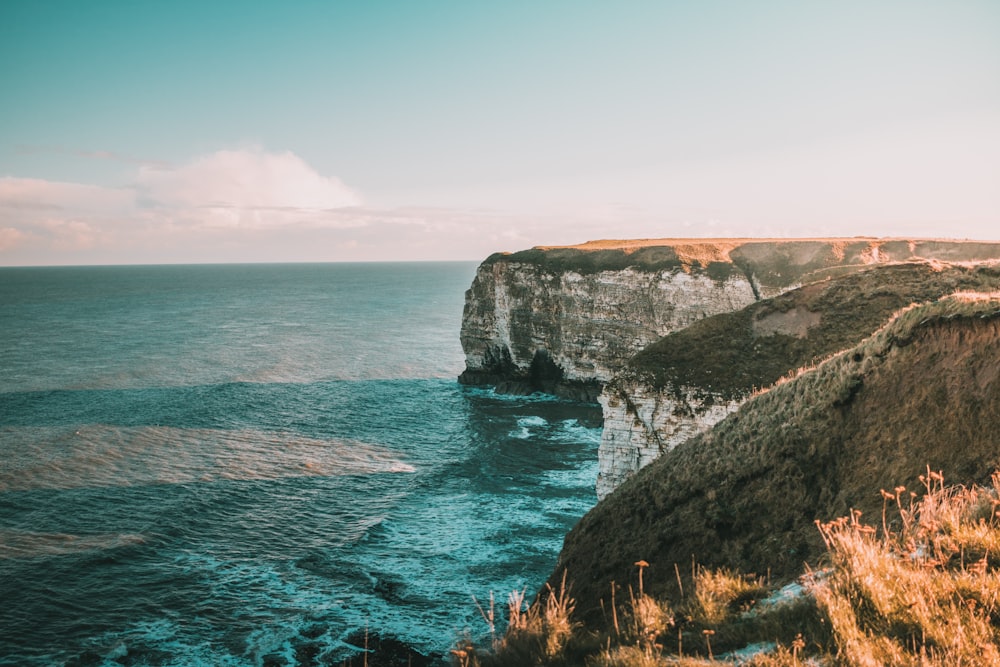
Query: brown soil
x=923 y=391
x=633 y=244
x=775 y=264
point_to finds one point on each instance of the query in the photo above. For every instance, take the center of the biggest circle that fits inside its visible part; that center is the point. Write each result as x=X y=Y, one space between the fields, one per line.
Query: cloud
x=253 y=188
x=246 y=205
x=212 y=199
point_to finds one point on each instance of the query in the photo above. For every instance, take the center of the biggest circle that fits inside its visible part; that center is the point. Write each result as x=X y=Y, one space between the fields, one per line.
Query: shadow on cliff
x=543 y=376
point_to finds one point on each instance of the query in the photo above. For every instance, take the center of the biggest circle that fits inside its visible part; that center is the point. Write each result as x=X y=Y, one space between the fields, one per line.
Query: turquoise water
x=242 y=465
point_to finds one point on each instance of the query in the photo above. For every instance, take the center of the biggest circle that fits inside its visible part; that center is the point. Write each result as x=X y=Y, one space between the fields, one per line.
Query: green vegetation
x=586 y=262
x=920 y=588
x=744 y=496
x=733 y=354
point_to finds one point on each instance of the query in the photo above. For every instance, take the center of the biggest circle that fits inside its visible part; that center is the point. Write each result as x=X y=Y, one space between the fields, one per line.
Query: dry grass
x=720 y=594
x=925 y=593
x=537 y=634
x=920 y=589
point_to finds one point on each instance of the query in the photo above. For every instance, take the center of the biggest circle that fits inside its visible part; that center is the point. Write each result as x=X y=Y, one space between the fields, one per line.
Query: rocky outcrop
x=641 y=423
x=528 y=328
x=692 y=379
x=564 y=320
x=923 y=391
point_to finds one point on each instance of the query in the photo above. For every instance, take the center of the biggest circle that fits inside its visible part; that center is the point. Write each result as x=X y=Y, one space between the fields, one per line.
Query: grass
x=720 y=592
x=925 y=593
x=729 y=355
x=775 y=264
x=919 y=588
x=745 y=494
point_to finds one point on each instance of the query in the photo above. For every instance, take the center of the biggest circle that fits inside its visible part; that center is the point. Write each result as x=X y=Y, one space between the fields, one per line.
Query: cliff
x=923 y=390
x=693 y=378
x=564 y=320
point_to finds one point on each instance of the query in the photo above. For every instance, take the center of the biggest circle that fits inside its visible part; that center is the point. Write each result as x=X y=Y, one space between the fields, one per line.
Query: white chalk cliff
x=567 y=320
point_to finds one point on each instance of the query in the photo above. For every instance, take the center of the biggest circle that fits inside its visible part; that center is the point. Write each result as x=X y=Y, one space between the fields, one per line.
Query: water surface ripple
x=243 y=465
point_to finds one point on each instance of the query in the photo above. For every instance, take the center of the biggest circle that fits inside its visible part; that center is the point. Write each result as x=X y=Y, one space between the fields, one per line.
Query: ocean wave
x=571 y=430
x=516 y=399
x=101 y=455
x=568 y=431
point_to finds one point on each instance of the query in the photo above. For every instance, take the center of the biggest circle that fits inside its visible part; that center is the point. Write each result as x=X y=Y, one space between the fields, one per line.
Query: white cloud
x=251 y=205
x=240 y=205
x=215 y=199
x=245 y=188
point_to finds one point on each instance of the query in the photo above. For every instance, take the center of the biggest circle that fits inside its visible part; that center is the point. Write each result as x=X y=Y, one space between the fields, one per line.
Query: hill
x=924 y=390
x=692 y=378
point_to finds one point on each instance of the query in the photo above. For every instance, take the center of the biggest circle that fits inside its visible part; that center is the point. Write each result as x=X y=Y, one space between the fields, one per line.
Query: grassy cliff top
x=774 y=263
x=732 y=354
x=634 y=244
x=924 y=390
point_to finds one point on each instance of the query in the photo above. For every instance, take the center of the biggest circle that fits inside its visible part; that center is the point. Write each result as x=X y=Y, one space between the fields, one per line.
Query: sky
x=252 y=131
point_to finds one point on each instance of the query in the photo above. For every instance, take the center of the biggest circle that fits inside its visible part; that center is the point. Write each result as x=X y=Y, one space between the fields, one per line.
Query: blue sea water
x=243 y=465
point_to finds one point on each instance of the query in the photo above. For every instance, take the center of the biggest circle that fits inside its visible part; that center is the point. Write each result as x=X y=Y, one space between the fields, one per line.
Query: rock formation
x=565 y=319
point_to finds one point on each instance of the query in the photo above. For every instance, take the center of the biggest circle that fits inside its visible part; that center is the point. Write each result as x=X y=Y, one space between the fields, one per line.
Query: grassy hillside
x=919 y=587
x=924 y=390
x=733 y=354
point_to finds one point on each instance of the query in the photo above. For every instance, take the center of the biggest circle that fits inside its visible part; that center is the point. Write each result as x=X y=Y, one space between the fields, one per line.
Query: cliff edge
x=565 y=319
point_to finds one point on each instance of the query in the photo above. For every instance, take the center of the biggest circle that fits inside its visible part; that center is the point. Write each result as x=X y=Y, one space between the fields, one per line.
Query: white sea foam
x=571 y=430
x=524 y=426
x=581 y=477
x=100 y=455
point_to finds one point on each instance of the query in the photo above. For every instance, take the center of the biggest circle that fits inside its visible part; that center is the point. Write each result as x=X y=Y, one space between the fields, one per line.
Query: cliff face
x=641 y=423
x=691 y=379
x=564 y=320
x=924 y=390
x=527 y=327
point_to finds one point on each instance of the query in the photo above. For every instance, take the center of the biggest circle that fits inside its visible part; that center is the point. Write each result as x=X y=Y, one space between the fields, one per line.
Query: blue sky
x=146 y=132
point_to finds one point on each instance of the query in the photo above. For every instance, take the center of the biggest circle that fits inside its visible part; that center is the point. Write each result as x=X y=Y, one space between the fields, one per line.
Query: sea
x=253 y=464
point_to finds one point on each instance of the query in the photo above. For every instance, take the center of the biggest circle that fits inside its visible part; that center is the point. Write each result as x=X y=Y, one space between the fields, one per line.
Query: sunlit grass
x=921 y=588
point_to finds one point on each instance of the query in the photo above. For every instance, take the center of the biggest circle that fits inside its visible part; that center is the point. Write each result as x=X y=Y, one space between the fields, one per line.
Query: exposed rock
x=527 y=328
x=565 y=319
x=641 y=423
x=693 y=378
x=924 y=390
